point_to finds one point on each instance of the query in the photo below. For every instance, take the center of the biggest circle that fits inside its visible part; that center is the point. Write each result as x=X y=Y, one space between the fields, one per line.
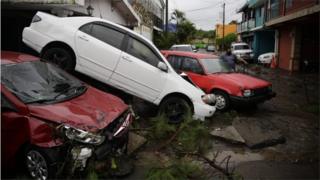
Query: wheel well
x=181 y=96
x=218 y=89
x=61 y=45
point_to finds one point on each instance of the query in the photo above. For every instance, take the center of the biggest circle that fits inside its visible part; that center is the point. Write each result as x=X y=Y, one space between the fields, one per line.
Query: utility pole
x=223 y=19
x=167 y=16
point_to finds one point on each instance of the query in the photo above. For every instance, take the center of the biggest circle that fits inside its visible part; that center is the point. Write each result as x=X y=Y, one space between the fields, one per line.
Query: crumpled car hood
x=91 y=111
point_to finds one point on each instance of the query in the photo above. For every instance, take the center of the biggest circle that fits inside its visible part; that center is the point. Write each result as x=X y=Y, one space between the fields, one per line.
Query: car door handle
x=127 y=58
x=83 y=38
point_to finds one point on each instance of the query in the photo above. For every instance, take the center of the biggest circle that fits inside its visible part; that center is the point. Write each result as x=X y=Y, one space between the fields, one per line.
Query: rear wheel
x=61 y=57
x=222 y=100
x=175 y=109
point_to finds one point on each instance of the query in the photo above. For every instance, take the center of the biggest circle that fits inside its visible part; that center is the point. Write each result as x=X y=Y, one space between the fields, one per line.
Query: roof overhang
x=253 y=4
x=245 y=6
x=296 y=15
x=126 y=10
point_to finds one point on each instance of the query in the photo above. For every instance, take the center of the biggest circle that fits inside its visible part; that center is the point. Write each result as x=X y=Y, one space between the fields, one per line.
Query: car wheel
x=175 y=110
x=222 y=100
x=61 y=57
x=38 y=164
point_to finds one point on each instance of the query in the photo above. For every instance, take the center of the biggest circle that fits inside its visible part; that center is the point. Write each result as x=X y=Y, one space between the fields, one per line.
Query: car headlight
x=247 y=92
x=209 y=98
x=81 y=135
x=251 y=55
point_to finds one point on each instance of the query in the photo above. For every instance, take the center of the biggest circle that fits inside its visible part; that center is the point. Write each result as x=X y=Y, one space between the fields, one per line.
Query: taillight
x=36 y=18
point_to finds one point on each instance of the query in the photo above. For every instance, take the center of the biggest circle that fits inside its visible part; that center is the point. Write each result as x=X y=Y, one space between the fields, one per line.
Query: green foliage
x=161 y=129
x=164 y=40
x=194 y=137
x=178 y=170
x=185 y=32
x=92 y=175
x=228 y=39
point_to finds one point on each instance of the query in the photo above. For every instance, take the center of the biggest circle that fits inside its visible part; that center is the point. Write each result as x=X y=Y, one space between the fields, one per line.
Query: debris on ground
x=228 y=133
x=135 y=142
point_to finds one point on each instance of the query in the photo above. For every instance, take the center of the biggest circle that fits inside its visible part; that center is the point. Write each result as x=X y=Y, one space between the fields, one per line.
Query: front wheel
x=39 y=164
x=222 y=100
x=175 y=109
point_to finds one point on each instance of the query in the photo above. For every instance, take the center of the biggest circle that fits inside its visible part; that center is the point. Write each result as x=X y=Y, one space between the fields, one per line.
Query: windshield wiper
x=76 y=89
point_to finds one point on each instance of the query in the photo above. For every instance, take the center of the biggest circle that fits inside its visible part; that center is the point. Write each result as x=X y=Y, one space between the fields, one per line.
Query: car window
x=6 y=105
x=143 y=52
x=192 y=65
x=107 y=35
x=175 y=62
x=86 y=28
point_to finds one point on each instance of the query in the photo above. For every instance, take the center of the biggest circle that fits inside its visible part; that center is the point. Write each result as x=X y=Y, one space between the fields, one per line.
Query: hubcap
x=220 y=101
x=59 y=59
x=37 y=165
x=175 y=111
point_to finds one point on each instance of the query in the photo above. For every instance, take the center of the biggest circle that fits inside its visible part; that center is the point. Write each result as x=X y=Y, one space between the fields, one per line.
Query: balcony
x=246 y=25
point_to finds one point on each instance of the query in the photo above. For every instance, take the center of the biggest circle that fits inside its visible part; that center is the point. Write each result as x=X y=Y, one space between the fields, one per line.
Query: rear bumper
x=237 y=100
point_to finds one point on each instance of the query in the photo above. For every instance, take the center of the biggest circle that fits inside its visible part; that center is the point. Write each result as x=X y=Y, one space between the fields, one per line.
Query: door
x=14 y=131
x=195 y=71
x=137 y=71
x=99 y=49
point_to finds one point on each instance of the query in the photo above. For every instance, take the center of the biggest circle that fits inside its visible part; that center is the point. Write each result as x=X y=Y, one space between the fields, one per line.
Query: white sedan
x=119 y=57
x=266 y=58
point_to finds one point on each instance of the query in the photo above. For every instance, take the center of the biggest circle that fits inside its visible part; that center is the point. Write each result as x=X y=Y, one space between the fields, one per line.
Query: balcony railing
x=251 y=24
x=246 y=25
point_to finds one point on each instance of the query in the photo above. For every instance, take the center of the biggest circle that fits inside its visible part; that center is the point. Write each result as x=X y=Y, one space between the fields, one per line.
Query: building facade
x=290 y=28
x=228 y=29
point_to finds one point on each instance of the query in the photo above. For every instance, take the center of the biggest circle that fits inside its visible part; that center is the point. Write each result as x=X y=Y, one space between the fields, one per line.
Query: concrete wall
x=228 y=29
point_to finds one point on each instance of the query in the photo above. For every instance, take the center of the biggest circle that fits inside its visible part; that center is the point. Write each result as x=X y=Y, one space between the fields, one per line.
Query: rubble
x=228 y=133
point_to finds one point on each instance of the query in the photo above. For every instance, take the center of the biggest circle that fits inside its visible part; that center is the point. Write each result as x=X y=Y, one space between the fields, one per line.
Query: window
x=143 y=52
x=175 y=62
x=86 y=28
x=289 y=4
x=107 y=35
x=192 y=65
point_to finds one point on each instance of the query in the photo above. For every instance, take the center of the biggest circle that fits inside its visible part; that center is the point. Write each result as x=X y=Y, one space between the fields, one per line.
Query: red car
x=213 y=75
x=55 y=122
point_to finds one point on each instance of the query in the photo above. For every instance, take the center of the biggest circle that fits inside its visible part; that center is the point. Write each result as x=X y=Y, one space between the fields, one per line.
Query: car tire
x=175 y=110
x=61 y=57
x=39 y=164
x=222 y=100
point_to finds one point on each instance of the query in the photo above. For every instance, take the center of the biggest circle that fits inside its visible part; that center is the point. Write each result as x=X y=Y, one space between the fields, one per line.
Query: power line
x=198 y=9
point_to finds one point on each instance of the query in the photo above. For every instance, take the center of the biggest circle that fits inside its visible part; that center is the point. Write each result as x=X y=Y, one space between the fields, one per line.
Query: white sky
x=206 y=13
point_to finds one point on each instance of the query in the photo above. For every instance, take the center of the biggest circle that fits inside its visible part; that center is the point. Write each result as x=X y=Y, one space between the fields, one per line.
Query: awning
x=126 y=9
x=292 y=16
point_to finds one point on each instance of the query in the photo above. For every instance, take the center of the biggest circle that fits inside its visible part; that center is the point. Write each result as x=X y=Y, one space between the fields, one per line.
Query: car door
x=98 y=47
x=14 y=130
x=194 y=70
x=137 y=71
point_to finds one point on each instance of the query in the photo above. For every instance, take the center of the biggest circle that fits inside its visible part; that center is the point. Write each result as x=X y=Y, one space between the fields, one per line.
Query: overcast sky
x=206 y=13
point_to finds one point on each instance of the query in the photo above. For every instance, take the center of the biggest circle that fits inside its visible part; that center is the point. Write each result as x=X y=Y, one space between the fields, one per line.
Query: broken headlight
x=82 y=136
x=209 y=98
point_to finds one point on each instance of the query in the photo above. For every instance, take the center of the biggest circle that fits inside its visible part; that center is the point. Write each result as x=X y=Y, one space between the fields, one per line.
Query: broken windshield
x=40 y=82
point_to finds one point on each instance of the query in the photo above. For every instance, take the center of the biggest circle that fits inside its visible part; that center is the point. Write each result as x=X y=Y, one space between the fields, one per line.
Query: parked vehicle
x=243 y=51
x=183 y=47
x=55 y=122
x=211 y=48
x=215 y=76
x=119 y=57
x=266 y=58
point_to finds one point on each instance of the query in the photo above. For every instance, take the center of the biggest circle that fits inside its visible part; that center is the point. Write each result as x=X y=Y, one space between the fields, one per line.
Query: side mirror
x=162 y=66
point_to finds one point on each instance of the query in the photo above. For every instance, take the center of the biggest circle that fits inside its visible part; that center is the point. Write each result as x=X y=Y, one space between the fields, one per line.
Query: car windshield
x=215 y=66
x=40 y=82
x=239 y=47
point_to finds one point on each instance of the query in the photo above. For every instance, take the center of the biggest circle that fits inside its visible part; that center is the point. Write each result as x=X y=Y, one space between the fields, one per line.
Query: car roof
x=181 y=45
x=10 y=57
x=190 y=54
x=236 y=44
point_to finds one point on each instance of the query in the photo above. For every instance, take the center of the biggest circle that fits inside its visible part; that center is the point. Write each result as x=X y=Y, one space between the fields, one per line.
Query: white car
x=119 y=57
x=266 y=58
x=183 y=47
x=242 y=50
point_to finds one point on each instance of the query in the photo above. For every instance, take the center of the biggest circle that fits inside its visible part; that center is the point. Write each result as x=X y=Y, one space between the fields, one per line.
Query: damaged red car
x=214 y=76
x=54 y=123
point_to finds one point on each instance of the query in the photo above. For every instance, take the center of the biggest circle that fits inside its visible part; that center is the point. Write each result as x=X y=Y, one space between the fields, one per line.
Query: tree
x=227 y=40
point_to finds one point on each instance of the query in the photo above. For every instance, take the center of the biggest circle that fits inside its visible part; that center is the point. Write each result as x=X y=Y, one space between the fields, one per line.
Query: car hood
x=91 y=111
x=242 y=80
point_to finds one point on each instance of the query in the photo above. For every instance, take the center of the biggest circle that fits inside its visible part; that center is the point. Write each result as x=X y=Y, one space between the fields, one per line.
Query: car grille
x=261 y=91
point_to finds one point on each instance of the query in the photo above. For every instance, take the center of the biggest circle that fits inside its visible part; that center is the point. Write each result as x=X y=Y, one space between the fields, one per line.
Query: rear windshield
x=239 y=47
x=182 y=48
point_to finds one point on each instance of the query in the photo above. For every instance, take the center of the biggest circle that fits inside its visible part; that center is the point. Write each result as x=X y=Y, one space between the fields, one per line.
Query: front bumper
x=238 y=101
x=201 y=111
